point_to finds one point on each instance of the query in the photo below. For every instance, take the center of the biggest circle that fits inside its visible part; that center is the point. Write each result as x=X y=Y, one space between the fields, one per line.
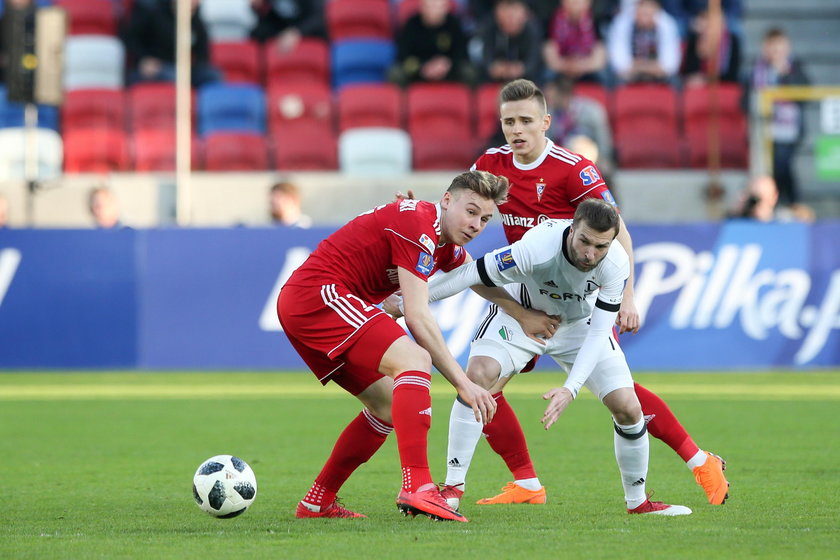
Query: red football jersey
x=364 y=254
x=550 y=187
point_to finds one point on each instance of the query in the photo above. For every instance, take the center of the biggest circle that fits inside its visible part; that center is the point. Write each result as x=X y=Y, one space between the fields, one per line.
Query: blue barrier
x=736 y=295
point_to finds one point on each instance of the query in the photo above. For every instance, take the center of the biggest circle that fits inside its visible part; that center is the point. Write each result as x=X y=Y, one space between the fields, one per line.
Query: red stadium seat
x=432 y=107
x=90 y=17
x=239 y=61
x=308 y=62
x=302 y=146
x=487 y=107
x=699 y=110
x=235 y=151
x=443 y=149
x=304 y=102
x=93 y=108
x=366 y=105
x=154 y=150
x=645 y=100
x=594 y=91
x=358 y=19
x=95 y=150
x=152 y=105
x=649 y=148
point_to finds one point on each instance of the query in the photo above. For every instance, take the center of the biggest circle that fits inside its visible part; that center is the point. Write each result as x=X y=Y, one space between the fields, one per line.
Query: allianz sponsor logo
x=713 y=291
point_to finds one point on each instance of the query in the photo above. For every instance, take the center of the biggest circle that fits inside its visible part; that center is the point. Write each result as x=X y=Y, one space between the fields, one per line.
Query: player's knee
x=483 y=371
x=417 y=359
x=624 y=406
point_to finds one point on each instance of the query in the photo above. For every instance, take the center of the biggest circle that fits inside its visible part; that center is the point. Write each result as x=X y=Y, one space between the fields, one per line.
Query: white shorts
x=500 y=337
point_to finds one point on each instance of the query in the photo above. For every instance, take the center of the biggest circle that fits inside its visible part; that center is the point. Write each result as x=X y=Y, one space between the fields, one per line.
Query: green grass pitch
x=99 y=465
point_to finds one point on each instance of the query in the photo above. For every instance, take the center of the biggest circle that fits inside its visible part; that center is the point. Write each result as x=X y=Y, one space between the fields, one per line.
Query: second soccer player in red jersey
x=328 y=311
x=548 y=181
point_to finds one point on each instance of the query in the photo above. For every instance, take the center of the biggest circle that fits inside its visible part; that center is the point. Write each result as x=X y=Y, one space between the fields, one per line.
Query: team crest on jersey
x=425 y=264
x=504 y=260
x=589 y=176
x=540 y=190
x=607 y=195
x=427 y=242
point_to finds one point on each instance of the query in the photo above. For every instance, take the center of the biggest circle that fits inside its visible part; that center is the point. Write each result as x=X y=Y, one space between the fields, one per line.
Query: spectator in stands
x=432 y=47
x=542 y=10
x=759 y=201
x=104 y=208
x=645 y=46
x=574 y=47
x=288 y=21
x=284 y=200
x=4 y=211
x=150 y=42
x=711 y=47
x=576 y=117
x=776 y=67
x=510 y=43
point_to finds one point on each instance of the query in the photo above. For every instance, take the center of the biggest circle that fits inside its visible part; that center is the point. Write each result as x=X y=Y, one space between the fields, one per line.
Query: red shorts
x=341 y=337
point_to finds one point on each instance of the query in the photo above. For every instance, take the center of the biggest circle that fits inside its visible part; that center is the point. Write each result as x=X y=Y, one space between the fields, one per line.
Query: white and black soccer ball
x=224 y=486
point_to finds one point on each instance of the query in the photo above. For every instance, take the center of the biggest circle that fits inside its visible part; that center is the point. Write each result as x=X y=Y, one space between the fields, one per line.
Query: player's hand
x=391 y=306
x=481 y=401
x=400 y=196
x=538 y=325
x=560 y=398
x=628 y=319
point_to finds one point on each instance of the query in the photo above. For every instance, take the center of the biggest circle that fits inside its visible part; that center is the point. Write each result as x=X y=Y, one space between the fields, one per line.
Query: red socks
x=664 y=425
x=505 y=436
x=412 y=413
x=357 y=443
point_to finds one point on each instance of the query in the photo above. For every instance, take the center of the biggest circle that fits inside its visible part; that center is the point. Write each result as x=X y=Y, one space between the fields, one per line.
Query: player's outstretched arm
x=628 y=319
x=421 y=323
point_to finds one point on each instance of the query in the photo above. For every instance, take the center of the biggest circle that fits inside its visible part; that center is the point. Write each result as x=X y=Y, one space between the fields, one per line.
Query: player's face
x=524 y=124
x=587 y=247
x=465 y=215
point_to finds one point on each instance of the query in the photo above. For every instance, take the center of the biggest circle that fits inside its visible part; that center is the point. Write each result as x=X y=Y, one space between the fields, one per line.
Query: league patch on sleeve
x=589 y=176
x=425 y=264
x=607 y=195
x=427 y=242
x=504 y=260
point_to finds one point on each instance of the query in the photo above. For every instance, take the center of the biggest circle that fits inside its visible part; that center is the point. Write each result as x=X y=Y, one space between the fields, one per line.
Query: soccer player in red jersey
x=328 y=311
x=548 y=181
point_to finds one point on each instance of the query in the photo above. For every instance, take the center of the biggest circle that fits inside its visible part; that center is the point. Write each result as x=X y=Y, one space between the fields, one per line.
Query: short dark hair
x=598 y=214
x=482 y=183
x=286 y=187
x=775 y=33
x=520 y=90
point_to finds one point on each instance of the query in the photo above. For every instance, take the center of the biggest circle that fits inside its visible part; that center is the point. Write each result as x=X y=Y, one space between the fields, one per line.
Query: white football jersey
x=549 y=281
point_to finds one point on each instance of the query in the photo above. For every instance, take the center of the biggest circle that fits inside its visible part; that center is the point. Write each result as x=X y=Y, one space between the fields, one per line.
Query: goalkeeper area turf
x=100 y=465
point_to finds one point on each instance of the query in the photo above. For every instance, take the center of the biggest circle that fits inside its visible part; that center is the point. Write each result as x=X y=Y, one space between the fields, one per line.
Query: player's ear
x=546 y=122
x=446 y=200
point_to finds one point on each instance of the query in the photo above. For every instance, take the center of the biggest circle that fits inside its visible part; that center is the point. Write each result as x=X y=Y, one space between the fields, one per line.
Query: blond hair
x=482 y=183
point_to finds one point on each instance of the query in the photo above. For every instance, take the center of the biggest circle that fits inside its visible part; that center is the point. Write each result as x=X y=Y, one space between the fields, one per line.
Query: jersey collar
x=566 y=233
x=537 y=162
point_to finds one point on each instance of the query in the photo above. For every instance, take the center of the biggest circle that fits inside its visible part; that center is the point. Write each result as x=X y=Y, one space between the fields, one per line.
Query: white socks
x=464 y=433
x=631 y=453
x=698 y=460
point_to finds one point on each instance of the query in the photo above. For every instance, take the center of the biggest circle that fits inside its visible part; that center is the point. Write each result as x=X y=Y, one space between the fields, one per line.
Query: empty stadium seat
x=305 y=102
x=235 y=151
x=95 y=150
x=152 y=105
x=308 y=62
x=443 y=149
x=14 y=144
x=379 y=152
x=369 y=105
x=649 y=148
x=93 y=108
x=304 y=147
x=228 y=20
x=644 y=100
x=439 y=106
x=12 y=113
x=700 y=107
x=646 y=128
x=232 y=108
x=239 y=61
x=90 y=17
x=361 y=61
x=155 y=150
x=596 y=92
x=358 y=19
x=93 y=61
x=487 y=111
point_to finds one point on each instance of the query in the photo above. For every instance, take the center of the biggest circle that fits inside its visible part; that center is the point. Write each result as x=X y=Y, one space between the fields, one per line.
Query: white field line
x=22 y=392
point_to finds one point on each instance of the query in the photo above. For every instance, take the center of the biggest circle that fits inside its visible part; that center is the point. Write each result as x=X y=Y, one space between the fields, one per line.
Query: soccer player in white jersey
x=562 y=266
